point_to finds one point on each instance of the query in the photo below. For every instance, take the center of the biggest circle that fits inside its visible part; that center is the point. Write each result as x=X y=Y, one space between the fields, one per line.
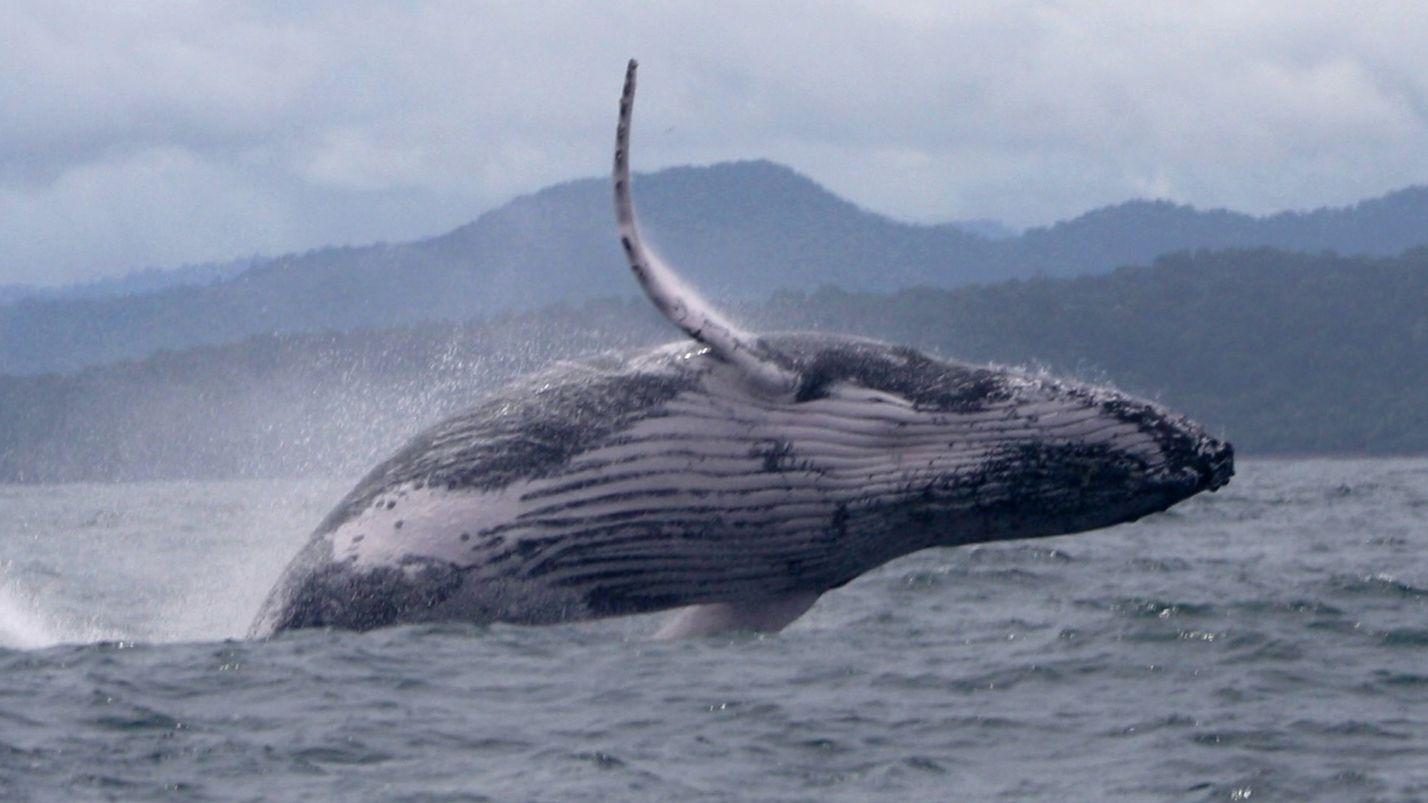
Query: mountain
x=740 y=231
x=137 y=282
x=1137 y=231
x=985 y=227
x=1281 y=352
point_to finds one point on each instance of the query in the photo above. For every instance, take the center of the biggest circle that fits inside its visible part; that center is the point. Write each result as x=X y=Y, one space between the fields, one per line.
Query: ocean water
x=1268 y=642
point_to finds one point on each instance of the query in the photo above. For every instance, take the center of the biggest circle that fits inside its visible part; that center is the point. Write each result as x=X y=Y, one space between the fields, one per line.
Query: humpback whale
x=731 y=476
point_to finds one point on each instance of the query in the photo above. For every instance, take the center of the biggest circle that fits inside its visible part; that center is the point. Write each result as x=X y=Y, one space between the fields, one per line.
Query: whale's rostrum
x=733 y=476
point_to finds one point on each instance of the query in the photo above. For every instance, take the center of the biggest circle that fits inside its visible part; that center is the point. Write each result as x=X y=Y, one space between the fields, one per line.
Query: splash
x=147 y=562
x=22 y=625
x=30 y=620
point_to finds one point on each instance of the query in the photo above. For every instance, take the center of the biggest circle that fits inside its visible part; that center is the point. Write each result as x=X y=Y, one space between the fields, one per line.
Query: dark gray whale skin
x=620 y=487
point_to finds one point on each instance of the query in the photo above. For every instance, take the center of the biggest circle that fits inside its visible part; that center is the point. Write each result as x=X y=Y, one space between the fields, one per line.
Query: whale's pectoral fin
x=764 y=615
x=676 y=300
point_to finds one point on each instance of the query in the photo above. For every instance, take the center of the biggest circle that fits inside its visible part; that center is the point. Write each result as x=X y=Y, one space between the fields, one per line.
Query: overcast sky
x=154 y=134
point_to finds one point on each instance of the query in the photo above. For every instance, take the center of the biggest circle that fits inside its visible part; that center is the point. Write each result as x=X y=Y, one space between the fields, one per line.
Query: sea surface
x=1268 y=642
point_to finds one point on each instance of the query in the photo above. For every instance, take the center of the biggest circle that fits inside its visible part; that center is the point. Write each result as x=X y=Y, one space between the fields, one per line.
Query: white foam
x=22 y=625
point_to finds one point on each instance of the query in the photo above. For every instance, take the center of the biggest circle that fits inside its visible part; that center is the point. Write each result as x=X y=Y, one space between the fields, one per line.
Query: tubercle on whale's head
x=1022 y=455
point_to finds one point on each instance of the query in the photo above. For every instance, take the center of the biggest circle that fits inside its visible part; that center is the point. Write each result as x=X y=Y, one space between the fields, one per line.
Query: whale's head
x=986 y=453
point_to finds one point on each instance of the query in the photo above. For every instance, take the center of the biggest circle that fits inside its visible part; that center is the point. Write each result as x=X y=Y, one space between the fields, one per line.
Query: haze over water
x=1264 y=642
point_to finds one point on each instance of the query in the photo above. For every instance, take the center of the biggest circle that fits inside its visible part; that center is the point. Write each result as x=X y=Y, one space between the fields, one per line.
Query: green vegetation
x=1285 y=353
x=1282 y=352
x=740 y=231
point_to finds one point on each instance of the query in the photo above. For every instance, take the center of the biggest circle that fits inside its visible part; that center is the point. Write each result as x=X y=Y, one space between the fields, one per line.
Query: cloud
x=160 y=133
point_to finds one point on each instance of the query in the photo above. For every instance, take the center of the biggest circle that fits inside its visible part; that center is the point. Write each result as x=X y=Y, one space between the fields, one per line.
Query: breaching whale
x=733 y=476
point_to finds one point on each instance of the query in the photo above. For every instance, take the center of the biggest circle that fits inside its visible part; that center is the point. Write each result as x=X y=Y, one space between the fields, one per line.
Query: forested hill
x=740 y=231
x=139 y=282
x=1281 y=352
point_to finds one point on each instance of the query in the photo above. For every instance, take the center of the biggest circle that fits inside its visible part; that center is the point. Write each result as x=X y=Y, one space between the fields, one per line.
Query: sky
x=155 y=134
